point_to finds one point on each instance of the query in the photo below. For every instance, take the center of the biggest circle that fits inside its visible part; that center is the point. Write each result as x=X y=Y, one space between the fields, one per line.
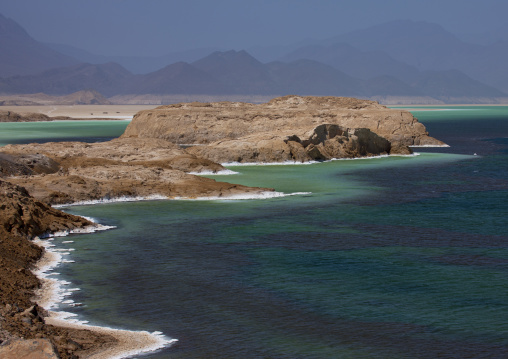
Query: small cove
x=389 y=258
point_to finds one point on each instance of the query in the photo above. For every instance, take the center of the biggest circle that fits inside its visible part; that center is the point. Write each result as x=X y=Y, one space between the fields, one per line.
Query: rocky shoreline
x=23 y=218
x=156 y=156
x=290 y=128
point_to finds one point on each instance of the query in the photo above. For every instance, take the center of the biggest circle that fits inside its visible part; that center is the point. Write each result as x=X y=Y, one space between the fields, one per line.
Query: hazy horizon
x=158 y=27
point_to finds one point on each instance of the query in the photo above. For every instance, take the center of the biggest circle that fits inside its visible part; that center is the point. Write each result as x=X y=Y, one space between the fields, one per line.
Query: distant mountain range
x=400 y=59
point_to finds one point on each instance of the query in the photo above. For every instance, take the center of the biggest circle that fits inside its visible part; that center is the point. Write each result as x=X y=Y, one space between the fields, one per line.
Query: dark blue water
x=401 y=257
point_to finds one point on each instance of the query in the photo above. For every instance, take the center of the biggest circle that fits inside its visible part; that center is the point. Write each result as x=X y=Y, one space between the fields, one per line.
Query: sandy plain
x=88 y=112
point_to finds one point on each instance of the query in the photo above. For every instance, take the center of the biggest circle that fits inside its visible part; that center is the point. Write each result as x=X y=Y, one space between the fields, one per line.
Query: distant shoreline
x=124 y=112
x=79 y=112
x=417 y=107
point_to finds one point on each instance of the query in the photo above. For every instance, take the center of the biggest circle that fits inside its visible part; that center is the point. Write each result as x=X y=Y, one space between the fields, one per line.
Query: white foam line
x=113 y=200
x=99 y=227
x=96 y=227
x=285 y=163
x=374 y=157
x=244 y=196
x=294 y=163
x=211 y=173
x=430 y=146
x=54 y=291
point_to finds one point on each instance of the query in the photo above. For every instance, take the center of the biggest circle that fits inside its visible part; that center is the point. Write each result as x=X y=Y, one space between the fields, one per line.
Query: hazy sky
x=154 y=27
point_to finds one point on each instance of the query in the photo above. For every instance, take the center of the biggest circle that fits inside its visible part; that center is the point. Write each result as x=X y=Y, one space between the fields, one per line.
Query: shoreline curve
x=51 y=293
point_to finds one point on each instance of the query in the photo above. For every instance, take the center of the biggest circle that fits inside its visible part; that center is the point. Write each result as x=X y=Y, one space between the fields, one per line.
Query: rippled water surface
x=400 y=257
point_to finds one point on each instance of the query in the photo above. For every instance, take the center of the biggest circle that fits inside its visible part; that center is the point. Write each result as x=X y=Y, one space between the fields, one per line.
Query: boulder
x=324 y=142
x=29 y=349
x=26 y=164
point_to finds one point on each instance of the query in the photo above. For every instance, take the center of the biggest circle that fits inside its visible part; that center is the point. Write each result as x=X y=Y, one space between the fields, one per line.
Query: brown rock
x=247 y=132
x=127 y=167
x=9 y=116
x=26 y=164
x=29 y=349
x=22 y=217
x=324 y=142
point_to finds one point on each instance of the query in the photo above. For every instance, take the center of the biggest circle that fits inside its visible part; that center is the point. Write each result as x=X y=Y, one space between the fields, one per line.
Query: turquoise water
x=399 y=257
x=53 y=131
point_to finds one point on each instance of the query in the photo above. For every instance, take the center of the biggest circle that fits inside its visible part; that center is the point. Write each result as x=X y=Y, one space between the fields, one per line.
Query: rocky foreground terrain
x=21 y=218
x=68 y=172
x=156 y=156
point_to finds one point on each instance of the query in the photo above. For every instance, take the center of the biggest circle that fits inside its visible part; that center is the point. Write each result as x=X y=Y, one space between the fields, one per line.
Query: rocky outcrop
x=21 y=218
x=9 y=116
x=325 y=142
x=23 y=215
x=69 y=172
x=118 y=168
x=286 y=128
x=150 y=159
x=26 y=164
x=29 y=349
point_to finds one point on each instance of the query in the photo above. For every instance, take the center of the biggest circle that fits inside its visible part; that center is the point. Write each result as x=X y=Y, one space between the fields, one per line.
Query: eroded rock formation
x=287 y=128
x=9 y=116
x=67 y=172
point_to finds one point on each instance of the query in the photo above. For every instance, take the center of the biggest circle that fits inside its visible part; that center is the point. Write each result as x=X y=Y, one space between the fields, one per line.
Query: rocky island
x=157 y=156
x=291 y=128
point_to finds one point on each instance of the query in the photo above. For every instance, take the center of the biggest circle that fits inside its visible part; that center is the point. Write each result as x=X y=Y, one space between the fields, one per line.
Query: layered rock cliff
x=286 y=128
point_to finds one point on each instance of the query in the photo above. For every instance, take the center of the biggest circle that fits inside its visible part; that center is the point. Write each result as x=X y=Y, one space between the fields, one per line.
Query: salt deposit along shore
x=148 y=160
x=53 y=291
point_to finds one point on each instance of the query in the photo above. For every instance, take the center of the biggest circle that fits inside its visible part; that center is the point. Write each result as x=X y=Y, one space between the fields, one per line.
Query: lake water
x=398 y=257
x=54 y=131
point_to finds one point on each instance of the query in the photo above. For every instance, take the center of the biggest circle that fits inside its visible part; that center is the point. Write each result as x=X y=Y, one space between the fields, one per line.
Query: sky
x=157 y=27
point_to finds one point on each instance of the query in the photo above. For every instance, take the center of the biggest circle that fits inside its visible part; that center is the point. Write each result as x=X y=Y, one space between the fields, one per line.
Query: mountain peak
x=9 y=28
x=223 y=58
x=20 y=54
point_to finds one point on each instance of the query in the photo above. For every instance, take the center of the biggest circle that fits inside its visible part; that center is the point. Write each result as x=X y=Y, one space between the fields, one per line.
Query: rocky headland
x=69 y=172
x=157 y=156
x=291 y=128
x=21 y=219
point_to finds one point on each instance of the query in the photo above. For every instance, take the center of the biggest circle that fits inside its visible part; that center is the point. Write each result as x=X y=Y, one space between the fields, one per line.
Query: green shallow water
x=53 y=131
x=399 y=257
